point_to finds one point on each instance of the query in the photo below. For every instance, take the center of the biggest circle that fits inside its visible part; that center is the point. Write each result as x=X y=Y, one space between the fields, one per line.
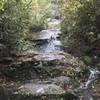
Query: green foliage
x=69 y=15
x=81 y=18
x=22 y=45
x=89 y=22
x=14 y=20
x=17 y=16
x=39 y=14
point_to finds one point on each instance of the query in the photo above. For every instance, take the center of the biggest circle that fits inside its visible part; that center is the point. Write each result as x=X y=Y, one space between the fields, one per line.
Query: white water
x=51 y=35
x=86 y=87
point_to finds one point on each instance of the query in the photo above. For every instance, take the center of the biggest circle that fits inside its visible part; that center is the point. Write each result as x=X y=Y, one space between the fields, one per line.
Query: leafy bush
x=69 y=15
x=17 y=16
x=39 y=14
x=14 y=20
x=88 y=24
x=80 y=18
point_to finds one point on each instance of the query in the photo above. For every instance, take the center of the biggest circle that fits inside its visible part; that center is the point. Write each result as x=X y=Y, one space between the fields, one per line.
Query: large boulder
x=44 y=35
x=41 y=89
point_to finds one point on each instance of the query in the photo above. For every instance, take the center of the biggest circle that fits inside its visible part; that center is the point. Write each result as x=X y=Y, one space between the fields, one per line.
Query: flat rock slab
x=46 y=35
x=40 y=89
x=49 y=57
x=59 y=81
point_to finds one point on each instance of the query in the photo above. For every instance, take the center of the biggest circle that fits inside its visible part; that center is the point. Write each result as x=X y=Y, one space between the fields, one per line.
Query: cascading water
x=47 y=40
x=86 y=87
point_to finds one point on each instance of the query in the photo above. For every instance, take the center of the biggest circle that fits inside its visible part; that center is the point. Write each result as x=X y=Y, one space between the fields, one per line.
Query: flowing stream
x=47 y=41
x=86 y=88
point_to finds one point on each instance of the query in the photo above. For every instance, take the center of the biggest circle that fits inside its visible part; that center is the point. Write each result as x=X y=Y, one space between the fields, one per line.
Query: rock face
x=49 y=88
x=49 y=57
x=62 y=81
x=45 y=35
x=41 y=89
x=53 y=86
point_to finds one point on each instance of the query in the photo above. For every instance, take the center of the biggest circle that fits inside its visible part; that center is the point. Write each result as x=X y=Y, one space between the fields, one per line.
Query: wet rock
x=62 y=81
x=25 y=57
x=52 y=46
x=59 y=81
x=50 y=57
x=32 y=91
x=59 y=58
x=29 y=53
x=41 y=89
x=45 y=35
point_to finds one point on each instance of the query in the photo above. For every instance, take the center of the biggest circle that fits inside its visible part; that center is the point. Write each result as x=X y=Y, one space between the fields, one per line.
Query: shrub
x=14 y=20
x=88 y=22
x=17 y=16
x=69 y=15
x=39 y=14
x=80 y=18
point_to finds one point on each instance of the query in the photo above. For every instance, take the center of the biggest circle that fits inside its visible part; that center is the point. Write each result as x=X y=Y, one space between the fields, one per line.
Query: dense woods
x=81 y=19
x=17 y=17
x=49 y=49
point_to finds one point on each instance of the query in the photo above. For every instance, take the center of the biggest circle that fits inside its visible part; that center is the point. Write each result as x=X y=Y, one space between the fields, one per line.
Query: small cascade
x=47 y=42
x=86 y=88
x=48 y=38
